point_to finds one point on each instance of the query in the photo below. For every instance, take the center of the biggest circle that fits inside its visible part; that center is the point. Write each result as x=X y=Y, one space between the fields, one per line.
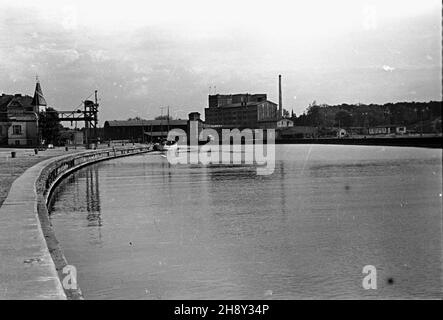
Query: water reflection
x=93 y=197
x=79 y=196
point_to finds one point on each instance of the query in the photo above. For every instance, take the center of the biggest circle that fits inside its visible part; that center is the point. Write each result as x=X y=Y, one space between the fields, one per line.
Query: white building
x=276 y=124
x=341 y=133
x=387 y=130
x=285 y=123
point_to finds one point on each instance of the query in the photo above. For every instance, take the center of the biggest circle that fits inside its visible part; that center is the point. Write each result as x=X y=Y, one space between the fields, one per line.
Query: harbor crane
x=88 y=115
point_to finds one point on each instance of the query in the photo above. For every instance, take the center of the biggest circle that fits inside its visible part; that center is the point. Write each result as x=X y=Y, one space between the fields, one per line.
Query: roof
x=21 y=102
x=142 y=123
x=4 y=100
x=15 y=101
x=238 y=95
x=38 y=99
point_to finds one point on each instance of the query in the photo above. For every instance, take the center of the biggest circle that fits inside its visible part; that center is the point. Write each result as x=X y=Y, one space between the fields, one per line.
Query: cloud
x=388 y=68
x=174 y=64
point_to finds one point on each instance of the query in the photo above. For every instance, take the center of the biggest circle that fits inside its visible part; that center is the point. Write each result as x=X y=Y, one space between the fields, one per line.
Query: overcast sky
x=142 y=55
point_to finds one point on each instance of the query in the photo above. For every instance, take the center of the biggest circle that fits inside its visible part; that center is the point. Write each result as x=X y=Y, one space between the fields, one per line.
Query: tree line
x=426 y=115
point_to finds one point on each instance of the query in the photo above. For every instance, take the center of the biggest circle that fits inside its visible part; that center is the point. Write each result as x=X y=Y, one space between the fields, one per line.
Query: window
x=17 y=130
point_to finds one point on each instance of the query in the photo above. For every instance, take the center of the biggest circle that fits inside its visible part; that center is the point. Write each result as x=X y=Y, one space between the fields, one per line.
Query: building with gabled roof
x=19 y=115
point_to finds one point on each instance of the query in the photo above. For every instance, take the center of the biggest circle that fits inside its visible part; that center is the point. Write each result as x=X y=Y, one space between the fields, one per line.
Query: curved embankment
x=31 y=259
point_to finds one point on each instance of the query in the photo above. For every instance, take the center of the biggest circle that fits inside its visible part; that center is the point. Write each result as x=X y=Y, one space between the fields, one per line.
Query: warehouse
x=146 y=130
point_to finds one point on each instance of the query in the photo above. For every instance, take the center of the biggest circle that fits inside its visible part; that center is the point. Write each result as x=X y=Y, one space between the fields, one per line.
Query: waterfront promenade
x=27 y=247
x=26 y=267
x=12 y=168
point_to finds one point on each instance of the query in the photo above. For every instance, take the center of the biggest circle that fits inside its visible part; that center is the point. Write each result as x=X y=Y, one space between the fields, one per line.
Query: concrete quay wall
x=31 y=259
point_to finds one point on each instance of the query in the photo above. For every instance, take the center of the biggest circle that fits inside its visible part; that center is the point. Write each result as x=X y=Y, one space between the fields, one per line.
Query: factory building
x=225 y=111
x=243 y=111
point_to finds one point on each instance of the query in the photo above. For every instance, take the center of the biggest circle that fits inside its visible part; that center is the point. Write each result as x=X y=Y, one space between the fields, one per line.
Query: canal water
x=140 y=228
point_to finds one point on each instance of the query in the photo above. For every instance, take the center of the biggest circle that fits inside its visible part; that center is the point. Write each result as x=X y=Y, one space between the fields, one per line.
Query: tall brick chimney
x=280 y=102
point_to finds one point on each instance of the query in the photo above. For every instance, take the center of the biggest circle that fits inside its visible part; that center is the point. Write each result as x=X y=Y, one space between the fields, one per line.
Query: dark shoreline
x=420 y=142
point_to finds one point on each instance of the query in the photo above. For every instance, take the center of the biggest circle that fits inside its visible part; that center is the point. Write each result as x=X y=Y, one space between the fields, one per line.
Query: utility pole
x=86 y=126
x=95 y=117
x=161 y=121
x=280 y=99
x=168 y=118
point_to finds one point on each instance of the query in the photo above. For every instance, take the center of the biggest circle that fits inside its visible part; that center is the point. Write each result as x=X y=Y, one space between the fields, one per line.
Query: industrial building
x=276 y=124
x=244 y=114
x=243 y=111
x=147 y=130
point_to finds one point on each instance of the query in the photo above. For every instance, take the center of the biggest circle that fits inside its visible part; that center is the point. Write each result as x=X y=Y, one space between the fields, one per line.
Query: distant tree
x=343 y=118
x=165 y=117
x=285 y=113
x=136 y=118
x=50 y=126
x=301 y=120
x=422 y=115
x=313 y=114
x=437 y=126
x=328 y=115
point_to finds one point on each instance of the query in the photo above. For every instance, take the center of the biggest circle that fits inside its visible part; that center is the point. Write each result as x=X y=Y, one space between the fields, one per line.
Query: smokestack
x=280 y=103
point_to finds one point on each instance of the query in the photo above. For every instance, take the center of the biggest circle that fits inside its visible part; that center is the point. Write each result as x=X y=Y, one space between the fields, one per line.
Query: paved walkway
x=12 y=168
x=27 y=270
x=26 y=267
